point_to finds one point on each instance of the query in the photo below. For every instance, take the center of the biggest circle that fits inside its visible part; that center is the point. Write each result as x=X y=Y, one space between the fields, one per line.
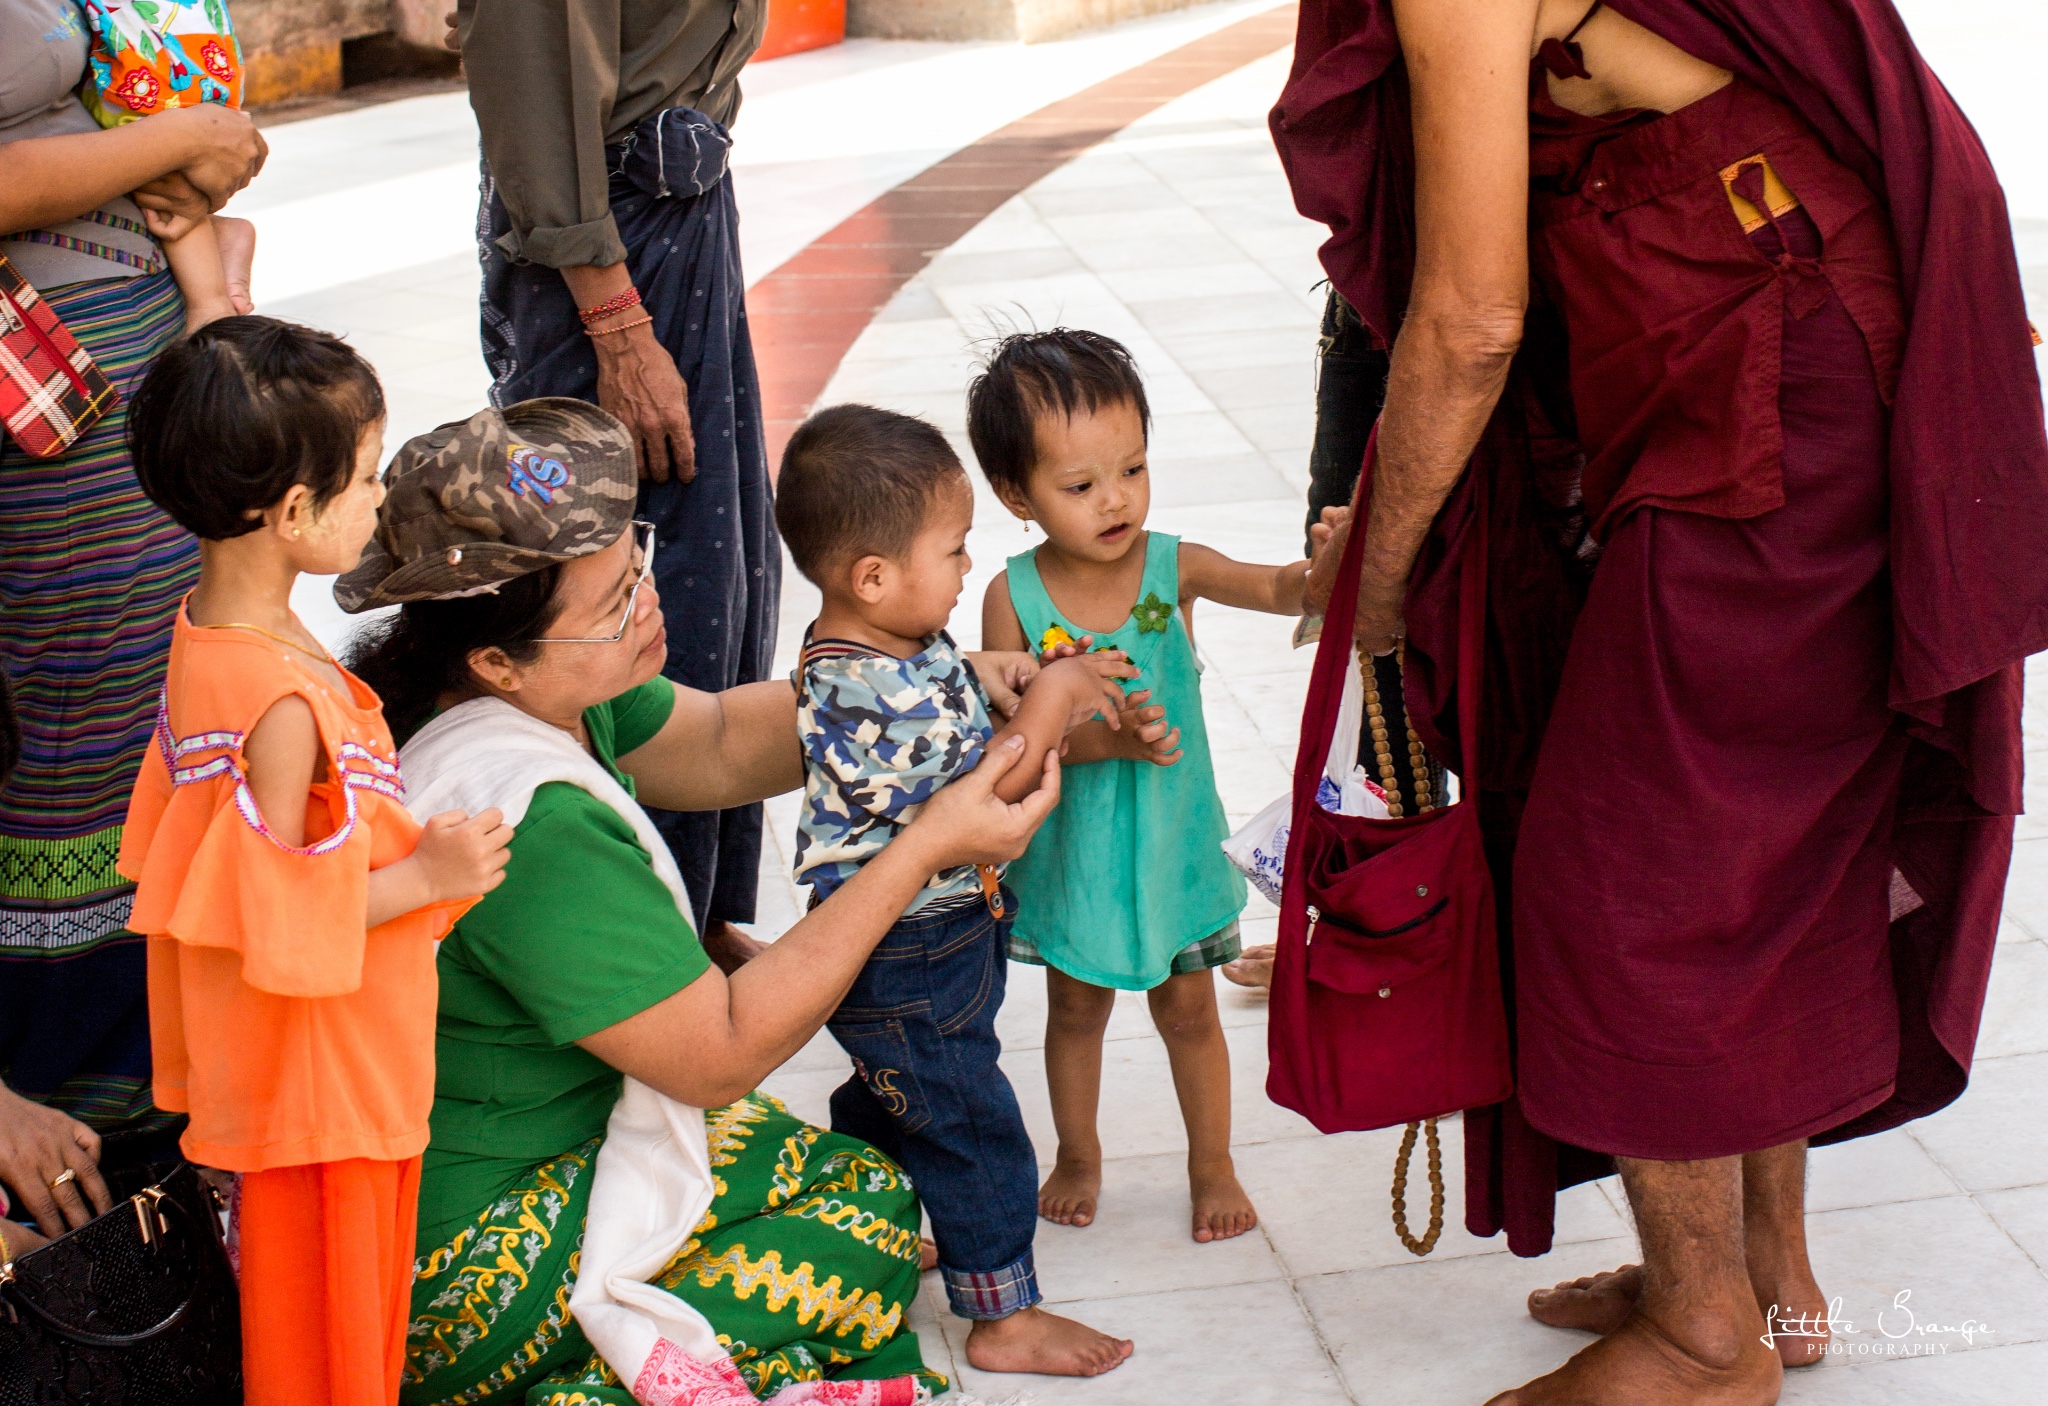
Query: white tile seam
x=2040 y=1266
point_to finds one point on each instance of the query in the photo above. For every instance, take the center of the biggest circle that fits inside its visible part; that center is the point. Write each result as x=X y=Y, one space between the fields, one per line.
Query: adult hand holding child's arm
x=1065 y=694
x=718 y=1037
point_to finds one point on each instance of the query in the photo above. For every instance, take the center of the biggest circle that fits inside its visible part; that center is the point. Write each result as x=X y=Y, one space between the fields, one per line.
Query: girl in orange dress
x=290 y=901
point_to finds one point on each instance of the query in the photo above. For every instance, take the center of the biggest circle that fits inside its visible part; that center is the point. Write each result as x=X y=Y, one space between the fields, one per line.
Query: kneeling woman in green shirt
x=525 y=662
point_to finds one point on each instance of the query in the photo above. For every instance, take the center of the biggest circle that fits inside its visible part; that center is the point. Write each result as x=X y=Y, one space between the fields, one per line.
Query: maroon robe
x=1794 y=671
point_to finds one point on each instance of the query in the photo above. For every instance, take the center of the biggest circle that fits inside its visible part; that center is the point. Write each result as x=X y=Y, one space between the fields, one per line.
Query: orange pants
x=327 y=1281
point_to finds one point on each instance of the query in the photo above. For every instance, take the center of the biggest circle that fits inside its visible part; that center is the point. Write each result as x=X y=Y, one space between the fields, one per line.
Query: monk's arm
x=1468 y=66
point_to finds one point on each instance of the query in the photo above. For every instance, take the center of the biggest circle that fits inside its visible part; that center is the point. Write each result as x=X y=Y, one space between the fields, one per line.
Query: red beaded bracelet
x=622 y=327
x=628 y=299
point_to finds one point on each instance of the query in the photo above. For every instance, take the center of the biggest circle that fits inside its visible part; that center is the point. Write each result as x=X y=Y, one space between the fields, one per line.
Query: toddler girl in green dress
x=1126 y=886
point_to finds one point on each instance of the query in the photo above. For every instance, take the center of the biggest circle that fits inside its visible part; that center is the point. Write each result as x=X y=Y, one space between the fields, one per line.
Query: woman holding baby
x=90 y=576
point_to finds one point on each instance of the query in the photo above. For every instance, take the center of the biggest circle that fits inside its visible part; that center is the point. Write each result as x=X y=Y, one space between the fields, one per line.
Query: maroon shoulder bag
x=1387 y=987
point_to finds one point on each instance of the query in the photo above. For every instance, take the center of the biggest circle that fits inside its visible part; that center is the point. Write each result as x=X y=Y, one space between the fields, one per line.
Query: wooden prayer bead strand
x=1425 y=800
x=1418 y=758
x=1376 y=719
x=1436 y=1189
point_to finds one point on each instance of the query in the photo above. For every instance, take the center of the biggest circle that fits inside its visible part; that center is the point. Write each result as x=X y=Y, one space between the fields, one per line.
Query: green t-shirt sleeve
x=639 y=713
x=582 y=933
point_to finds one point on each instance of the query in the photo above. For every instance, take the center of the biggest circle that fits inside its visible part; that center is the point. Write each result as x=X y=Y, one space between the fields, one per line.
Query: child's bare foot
x=1253 y=968
x=1222 y=1210
x=1037 y=1341
x=1068 y=1196
x=237 y=240
x=927 y=1256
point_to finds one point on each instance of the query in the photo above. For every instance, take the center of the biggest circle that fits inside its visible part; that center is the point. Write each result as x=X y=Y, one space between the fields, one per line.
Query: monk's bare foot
x=927 y=1256
x=1641 y=1364
x=1796 y=1312
x=1598 y=1303
x=1037 y=1341
x=730 y=948
x=1222 y=1210
x=1068 y=1196
x=1253 y=968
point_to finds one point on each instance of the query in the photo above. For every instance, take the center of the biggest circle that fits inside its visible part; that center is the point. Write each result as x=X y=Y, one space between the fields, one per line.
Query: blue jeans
x=920 y=1023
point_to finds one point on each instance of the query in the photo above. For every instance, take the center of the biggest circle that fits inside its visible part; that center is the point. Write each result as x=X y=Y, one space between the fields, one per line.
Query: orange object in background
x=796 y=25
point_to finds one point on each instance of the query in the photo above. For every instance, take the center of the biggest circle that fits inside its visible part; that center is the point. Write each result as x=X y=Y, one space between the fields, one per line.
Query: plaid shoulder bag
x=51 y=392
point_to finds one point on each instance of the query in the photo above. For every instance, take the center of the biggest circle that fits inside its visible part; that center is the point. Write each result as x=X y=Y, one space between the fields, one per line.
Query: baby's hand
x=1068 y=648
x=1090 y=684
x=1144 y=734
x=463 y=855
x=169 y=229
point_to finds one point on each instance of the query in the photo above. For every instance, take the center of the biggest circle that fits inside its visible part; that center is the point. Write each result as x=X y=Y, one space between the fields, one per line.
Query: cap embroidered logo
x=529 y=469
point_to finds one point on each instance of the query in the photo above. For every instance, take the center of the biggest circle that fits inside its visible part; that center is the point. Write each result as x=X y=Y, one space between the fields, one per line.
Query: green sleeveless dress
x=1129 y=868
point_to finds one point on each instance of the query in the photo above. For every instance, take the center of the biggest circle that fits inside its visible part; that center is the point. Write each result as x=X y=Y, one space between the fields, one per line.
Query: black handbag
x=135 y=1308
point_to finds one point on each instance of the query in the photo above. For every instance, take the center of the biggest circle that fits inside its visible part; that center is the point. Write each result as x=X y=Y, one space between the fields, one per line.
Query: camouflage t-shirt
x=881 y=735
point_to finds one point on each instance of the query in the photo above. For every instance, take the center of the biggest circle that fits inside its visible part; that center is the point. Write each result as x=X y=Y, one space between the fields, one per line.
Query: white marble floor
x=1179 y=238
x=366 y=219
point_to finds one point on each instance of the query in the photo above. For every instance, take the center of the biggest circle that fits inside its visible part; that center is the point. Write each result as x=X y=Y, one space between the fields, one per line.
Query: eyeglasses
x=646 y=547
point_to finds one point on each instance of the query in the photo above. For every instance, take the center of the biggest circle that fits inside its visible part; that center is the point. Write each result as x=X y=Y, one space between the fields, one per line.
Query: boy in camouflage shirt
x=875 y=508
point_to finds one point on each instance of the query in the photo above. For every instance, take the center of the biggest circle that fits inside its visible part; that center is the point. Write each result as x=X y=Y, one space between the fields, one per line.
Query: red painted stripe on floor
x=807 y=313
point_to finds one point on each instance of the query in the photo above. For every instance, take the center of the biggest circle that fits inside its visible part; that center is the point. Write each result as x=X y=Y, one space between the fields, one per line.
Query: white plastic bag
x=1259 y=847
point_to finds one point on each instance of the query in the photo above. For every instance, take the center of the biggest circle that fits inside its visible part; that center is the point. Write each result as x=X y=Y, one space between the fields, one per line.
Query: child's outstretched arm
x=1207 y=574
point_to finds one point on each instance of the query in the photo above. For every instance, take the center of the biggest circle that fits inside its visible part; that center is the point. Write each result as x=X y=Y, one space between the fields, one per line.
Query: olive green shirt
x=554 y=82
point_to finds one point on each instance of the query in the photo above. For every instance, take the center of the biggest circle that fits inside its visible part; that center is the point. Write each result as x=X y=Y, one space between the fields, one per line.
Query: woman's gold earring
x=505 y=682
x=295 y=534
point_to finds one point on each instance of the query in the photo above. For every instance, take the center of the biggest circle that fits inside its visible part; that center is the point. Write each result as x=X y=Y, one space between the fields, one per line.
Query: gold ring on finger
x=67 y=1175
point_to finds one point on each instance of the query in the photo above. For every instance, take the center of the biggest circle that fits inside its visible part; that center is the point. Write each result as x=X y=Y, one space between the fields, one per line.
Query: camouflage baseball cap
x=483 y=501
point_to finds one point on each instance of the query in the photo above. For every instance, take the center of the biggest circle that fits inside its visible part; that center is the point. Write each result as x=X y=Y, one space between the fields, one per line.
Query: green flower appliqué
x=1152 y=614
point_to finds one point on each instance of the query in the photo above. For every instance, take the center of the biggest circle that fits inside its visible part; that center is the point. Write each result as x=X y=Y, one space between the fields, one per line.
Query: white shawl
x=653 y=1181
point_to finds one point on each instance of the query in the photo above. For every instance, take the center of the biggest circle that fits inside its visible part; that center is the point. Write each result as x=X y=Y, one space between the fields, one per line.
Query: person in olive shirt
x=524 y=614
x=604 y=126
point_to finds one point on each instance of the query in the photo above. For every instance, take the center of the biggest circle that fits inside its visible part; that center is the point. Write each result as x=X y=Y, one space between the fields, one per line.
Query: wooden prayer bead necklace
x=1436 y=1189
x=1425 y=801
x=1383 y=752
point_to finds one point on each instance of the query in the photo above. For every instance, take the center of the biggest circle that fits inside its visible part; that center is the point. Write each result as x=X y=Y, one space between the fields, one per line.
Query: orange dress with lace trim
x=288 y=1031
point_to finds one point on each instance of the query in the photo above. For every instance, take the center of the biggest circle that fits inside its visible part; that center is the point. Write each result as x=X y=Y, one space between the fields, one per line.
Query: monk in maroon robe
x=1719 y=297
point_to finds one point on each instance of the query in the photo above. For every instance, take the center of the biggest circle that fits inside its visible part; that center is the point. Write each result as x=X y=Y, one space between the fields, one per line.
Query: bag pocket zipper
x=1317 y=916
